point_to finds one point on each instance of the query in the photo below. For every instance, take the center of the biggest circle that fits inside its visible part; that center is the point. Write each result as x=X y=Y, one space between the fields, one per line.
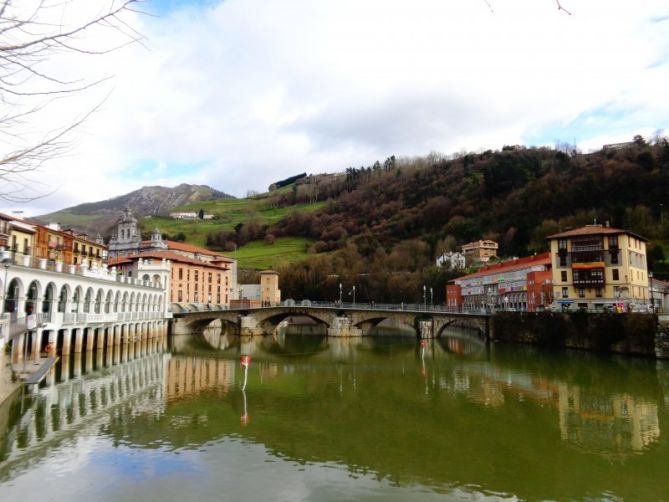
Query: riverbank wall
x=635 y=334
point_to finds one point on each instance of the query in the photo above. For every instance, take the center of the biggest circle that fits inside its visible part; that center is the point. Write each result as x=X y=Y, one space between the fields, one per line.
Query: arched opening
x=117 y=299
x=62 y=298
x=76 y=300
x=108 y=301
x=98 y=301
x=124 y=304
x=132 y=302
x=49 y=297
x=156 y=280
x=88 y=300
x=32 y=298
x=12 y=296
x=146 y=279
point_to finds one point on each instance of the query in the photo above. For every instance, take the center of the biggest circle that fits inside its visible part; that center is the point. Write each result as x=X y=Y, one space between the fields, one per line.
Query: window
x=562 y=244
x=616 y=274
x=197 y=275
x=613 y=242
x=581 y=293
x=210 y=276
x=598 y=292
x=565 y=292
x=563 y=276
x=181 y=273
x=180 y=296
x=563 y=261
x=614 y=257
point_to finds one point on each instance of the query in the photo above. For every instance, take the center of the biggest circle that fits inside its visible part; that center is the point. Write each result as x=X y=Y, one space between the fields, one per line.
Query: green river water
x=315 y=418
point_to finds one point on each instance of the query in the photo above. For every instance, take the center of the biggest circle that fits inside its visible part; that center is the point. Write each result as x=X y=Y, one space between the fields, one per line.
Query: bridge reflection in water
x=612 y=424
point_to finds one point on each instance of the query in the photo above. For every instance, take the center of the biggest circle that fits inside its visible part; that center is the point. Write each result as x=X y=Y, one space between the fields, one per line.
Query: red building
x=539 y=289
x=503 y=286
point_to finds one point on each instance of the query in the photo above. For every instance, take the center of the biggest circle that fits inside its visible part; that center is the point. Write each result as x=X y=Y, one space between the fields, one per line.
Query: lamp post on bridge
x=354 y=295
x=340 y=294
x=424 y=297
x=431 y=299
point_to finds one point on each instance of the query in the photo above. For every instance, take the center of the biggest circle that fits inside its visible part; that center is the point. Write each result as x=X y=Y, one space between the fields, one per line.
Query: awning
x=565 y=302
x=587 y=265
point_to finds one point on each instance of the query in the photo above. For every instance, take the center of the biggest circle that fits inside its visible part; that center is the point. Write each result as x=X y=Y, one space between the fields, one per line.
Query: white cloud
x=251 y=91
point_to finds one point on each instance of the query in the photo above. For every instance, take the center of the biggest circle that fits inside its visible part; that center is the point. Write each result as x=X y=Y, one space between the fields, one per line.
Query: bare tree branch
x=559 y=5
x=32 y=33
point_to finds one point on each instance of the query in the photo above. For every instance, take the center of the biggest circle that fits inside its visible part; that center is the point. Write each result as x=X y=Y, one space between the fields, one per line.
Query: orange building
x=55 y=244
x=191 y=281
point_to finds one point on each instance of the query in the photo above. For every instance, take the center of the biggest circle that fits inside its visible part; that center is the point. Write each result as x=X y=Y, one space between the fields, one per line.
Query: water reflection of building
x=73 y=405
x=187 y=376
x=612 y=425
x=616 y=424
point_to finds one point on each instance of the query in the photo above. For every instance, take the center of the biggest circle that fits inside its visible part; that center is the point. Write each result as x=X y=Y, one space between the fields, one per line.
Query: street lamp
x=354 y=294
x=431 y=299
x=424 y=297
x=340 y=294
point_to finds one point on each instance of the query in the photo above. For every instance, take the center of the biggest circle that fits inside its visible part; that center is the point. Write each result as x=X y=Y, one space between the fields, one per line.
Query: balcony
x=587 y=256
x=577 y=248
x=589 y=282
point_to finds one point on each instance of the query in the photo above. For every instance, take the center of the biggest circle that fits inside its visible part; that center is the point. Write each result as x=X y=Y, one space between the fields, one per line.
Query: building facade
x=501 y=286
x=481 y=250
x=270 y=294
x=599 y=267
x=199 y=275
x=190 y=281
x=452 y=261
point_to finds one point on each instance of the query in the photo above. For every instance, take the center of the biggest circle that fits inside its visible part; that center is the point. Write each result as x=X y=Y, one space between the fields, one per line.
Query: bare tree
x=32 y=33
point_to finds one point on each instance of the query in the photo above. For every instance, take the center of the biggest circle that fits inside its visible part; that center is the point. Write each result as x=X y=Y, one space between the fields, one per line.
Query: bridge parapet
x=340 y=320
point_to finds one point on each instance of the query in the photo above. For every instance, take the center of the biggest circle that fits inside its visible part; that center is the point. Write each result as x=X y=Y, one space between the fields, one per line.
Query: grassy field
x=228 y=213
x=259 y=255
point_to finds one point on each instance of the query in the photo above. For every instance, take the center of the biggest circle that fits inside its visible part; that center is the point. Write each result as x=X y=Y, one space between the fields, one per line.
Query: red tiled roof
x=594 y=230
x=507 y=266
x=167 y=255
x=190 y=248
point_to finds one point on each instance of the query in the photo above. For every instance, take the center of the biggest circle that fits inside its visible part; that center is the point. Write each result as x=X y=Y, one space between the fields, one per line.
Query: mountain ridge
x=146 y=201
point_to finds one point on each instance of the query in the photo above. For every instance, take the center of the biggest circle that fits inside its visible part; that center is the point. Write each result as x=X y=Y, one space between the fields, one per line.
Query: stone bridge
x=339 y=321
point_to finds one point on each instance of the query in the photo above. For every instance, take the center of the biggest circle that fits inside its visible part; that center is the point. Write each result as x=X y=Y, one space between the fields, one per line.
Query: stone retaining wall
x=636 y=334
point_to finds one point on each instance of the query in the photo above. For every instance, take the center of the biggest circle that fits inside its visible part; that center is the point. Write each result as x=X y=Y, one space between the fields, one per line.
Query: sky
x=237 y=94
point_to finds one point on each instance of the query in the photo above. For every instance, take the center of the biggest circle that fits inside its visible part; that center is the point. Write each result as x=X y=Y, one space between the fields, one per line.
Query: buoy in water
x=245 y=361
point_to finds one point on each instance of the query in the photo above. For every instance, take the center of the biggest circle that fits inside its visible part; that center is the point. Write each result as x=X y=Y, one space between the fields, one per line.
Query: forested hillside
x=390 y=221
x=380 y=227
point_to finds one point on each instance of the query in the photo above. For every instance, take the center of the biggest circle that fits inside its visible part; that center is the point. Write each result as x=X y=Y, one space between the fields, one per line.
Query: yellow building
x=270 y=294
x=18 y=235
x=597 y=267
